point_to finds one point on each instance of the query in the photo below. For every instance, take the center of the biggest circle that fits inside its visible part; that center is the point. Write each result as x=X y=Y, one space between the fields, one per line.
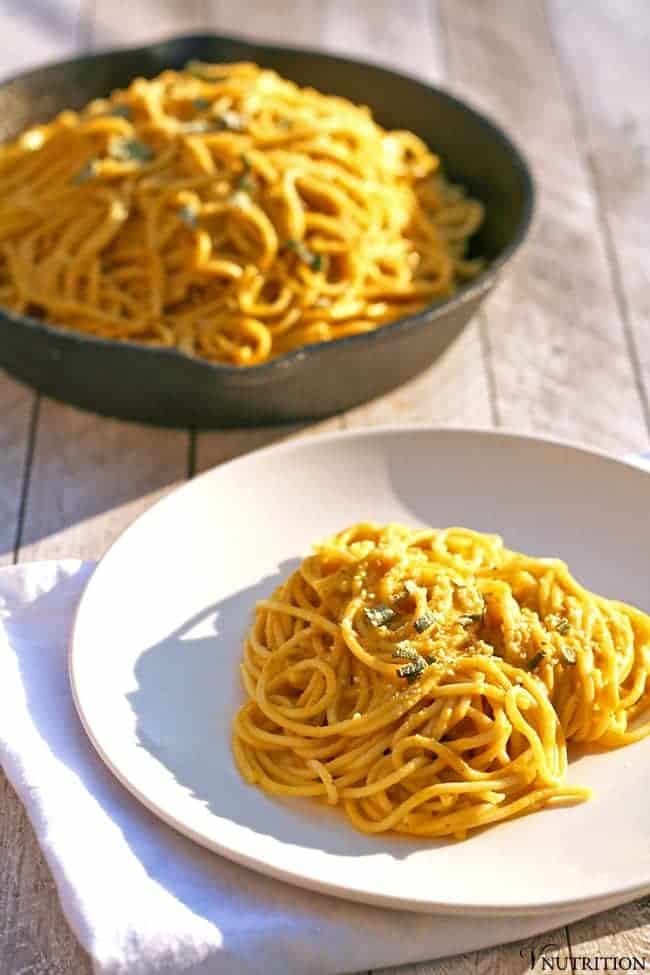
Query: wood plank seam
x=486 y=352
x=27 y=474
x=574 y=101
x=567 y=935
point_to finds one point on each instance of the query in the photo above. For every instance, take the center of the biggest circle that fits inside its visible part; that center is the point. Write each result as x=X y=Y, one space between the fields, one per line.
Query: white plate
x=158 y=638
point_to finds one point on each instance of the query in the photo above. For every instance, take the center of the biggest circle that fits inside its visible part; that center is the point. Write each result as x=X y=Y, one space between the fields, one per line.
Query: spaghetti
x=428 y=681
x=225 y=211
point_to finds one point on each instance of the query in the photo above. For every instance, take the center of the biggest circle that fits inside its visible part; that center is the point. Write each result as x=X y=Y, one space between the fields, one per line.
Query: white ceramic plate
x=157 y=643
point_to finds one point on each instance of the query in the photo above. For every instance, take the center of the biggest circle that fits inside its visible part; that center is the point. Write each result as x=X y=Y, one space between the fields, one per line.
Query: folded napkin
x=141 y=898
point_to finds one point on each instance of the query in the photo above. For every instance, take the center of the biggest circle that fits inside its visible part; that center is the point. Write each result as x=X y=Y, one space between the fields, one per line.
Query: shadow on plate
x=188 y=692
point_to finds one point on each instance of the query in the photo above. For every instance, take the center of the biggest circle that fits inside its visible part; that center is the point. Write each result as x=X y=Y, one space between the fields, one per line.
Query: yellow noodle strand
x=227 y=212
x=427 y=681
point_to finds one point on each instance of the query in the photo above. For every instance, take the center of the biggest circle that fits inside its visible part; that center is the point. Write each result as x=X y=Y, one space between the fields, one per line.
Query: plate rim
x=343 y=890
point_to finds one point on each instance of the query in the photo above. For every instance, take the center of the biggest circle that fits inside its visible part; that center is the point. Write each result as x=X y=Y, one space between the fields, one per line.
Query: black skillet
x=162 y=386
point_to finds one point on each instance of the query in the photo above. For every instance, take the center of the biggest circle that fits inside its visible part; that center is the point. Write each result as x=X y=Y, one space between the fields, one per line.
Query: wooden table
x=563 y=346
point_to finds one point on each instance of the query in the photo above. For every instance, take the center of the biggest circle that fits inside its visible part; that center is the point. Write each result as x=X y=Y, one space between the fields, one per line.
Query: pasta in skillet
x=225 y=211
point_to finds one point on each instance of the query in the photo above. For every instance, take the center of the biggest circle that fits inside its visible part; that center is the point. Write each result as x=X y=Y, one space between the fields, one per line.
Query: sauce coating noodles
x=229 y=213
x=428 y=681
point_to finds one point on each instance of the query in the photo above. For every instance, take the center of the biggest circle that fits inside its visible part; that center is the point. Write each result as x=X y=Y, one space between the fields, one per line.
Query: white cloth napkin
x=141 y=898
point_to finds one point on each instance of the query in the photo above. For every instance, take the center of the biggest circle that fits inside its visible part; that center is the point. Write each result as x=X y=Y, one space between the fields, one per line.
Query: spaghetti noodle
x=428 y=681
x=225 y=211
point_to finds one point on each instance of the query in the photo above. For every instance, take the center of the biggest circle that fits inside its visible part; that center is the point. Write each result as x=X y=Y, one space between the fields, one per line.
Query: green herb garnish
x=559 y=623
x=121 y=111
x=425 y=621
x=403 y=651
x=535 y=661
x=196 y=126
x=307 y=256
x=87 y=171
x=412 y=669
x=416 y=663
x=246 y=182
x=224 y=121
x=201 y=104
x=129 y=150
x=379 y=615
x=568 y=653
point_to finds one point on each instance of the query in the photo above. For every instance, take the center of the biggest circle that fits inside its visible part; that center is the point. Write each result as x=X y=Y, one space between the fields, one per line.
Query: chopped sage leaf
x=559 y=623
x=196 y=127
x=284 y=123
x=129 y=150
x=425 y=621
x=568 y=653
x=379 y=615
x=535 y=661
x=314 y=261
x=225 y=121
x=121 y=111
x=412 y=669
x=403 y=651
x=201 y=104
x=246 y=180
x=87 y=171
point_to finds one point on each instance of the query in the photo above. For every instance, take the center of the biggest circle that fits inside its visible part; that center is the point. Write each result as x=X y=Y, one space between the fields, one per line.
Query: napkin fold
x=141 y=898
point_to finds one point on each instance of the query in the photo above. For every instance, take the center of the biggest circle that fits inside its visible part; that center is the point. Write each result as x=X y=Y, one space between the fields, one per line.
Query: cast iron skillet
x=162 y=386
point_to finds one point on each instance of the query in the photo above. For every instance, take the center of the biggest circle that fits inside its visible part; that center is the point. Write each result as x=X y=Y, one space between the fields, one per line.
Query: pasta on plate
x=428 y=681
x=228 y=213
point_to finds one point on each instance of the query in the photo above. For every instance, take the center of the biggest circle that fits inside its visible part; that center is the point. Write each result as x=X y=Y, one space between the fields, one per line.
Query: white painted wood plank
x=604 y=64
x=116 y=24
x=603 y=49
x=36 y=32
x=560 y=356
x=270 y=20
